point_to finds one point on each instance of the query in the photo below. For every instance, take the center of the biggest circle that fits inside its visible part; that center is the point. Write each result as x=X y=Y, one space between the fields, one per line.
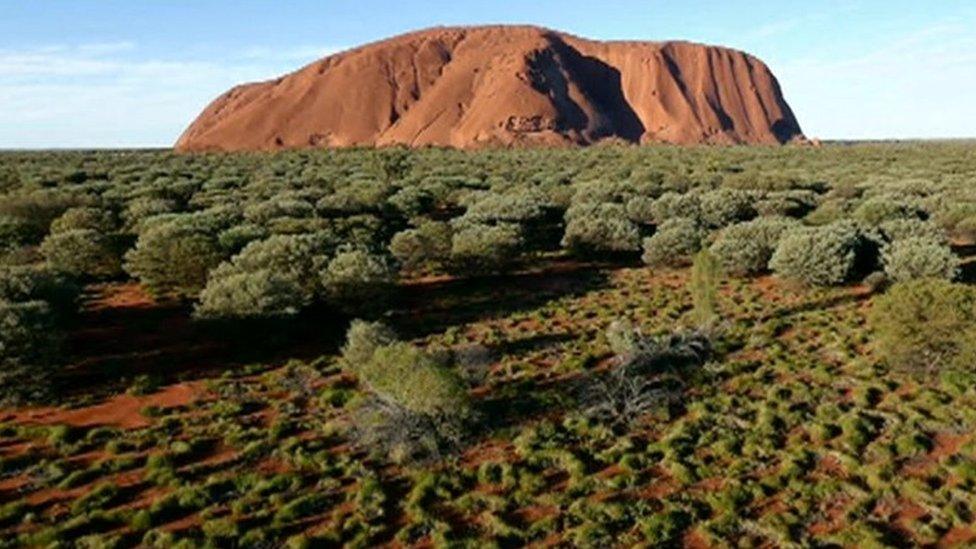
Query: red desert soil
x=503 y=86
x=122 y=411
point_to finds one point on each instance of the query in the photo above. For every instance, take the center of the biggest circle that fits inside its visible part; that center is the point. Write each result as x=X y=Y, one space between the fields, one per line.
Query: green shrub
x=926 y=324
x=746 y=248
x=876 y=210
x=362 y=341
x=234 y=239
x=919 y=257
x=599 y=228
x=674 y=243
x=252 y=294
x=141 y=209
x=485 y=248
x=899 y=229
x=85 y=218
x=418 y=407
x=173 y=259
x=723 y=207
x=299 y=259
x=358 y=281
x=83 y=253
x=671 y=205
x=15 y=232
x=28 y=350
x=428 y=244
x=818 y=256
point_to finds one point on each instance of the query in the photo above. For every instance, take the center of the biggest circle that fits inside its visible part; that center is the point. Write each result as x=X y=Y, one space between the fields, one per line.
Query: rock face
x=503 y=86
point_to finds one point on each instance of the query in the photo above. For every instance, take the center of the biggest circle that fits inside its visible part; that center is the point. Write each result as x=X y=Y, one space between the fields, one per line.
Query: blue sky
x=113 y=73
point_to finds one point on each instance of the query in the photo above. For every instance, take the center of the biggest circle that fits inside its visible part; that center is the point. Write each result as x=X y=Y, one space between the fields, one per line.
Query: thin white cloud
x=106 y=94
x=915 y=85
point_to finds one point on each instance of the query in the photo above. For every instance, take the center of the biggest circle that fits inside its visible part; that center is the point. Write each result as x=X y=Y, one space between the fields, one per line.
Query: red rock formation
x=503 y=86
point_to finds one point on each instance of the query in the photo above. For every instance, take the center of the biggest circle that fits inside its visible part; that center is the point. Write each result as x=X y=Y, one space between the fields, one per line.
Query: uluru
x=504 y=86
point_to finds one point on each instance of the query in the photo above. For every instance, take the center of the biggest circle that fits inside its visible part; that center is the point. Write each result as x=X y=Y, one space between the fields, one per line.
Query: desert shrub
x=417 y=409
x=645 y=375
x=173 y=259
x=83 y=253
x=925 y=324
x=428 y=244
x=485 y=248
x=297 y=258
x=234 y=239
x=28 y=347
x=278 y=207
x=795 y=203
x=361 y=197
x=249 y=294
x=746 y=248
x=413 y=201
x=39 y=208
x=672 y=205
x=15 y=232
x=599 y=228
x=899 y=229
x=876 y=210
x=818 y=256
x=524 y=208
x=722 y=207
x=674 y=243
x=919 y=257
x=362 y=341
x=140 y=209
x=358 y=281
x=87 y=218
x=640 y=209
x=38 y=283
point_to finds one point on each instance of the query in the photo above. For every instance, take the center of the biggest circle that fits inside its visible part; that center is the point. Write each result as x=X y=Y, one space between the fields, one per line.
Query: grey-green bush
x=745 y=248
x=674 y=243
x=919 y=257
x=485 y=248
x=83 y=253
x=28 y=348
x=88 y=218
x=427 y=244
x=722 y=207
x=358 y=281
x=595 y=228
x=249 y=295
x=817 y=256
x=173 y=259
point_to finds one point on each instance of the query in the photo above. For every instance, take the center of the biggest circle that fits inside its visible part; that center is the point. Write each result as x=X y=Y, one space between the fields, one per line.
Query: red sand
x=503 y=86
x=122 y=411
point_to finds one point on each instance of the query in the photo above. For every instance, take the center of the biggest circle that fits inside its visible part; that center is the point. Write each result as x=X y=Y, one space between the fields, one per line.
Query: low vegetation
x=635 y=346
